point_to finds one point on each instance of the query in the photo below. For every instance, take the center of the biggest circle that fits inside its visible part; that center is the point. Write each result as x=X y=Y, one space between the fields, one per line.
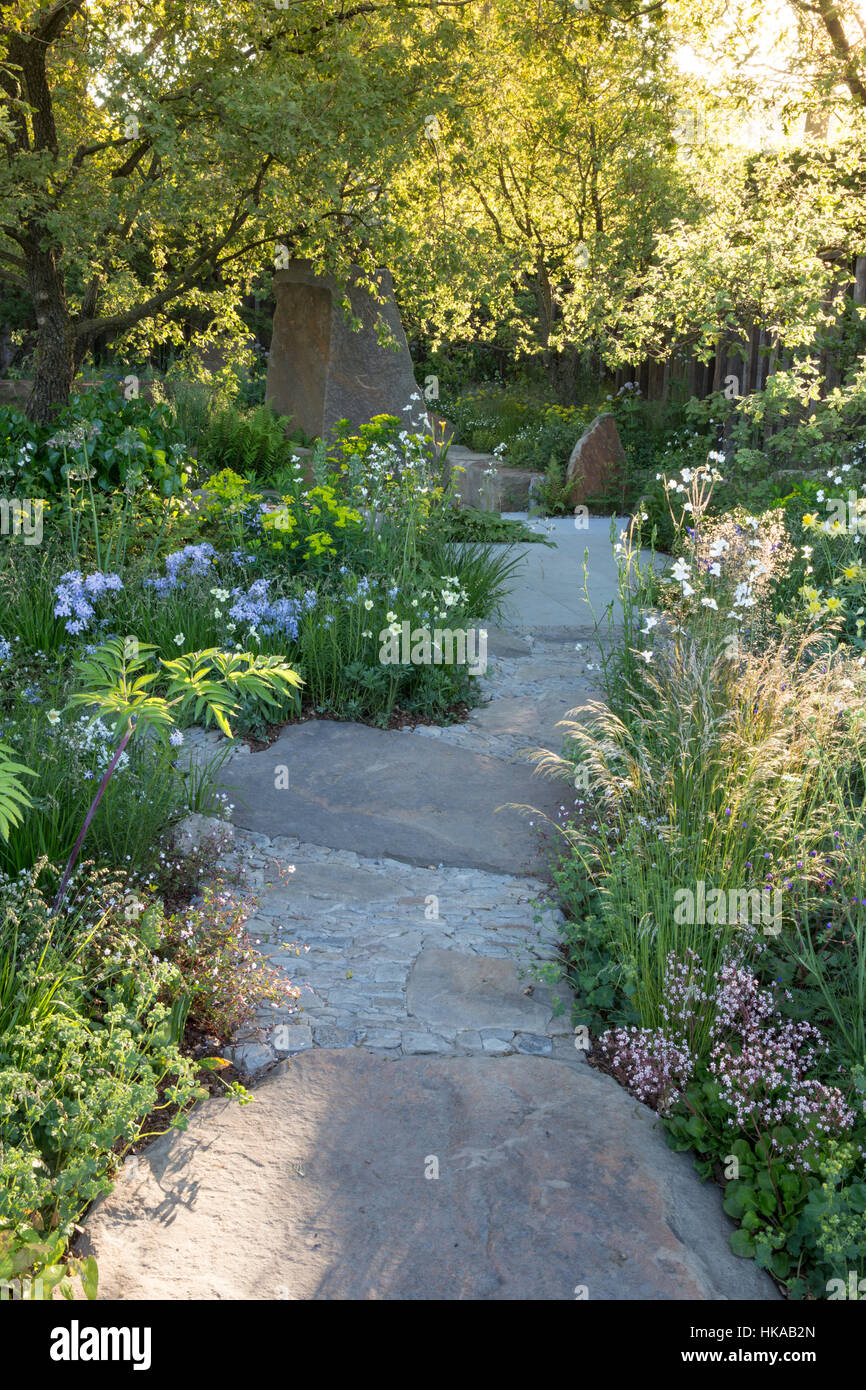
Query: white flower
x=178 y=639
x=710 y=603
x=680 y=571
x=687 y=589
x=53 y=716
x=368 y=604
x=743 y=597
x=715 y=568
x=647 y=656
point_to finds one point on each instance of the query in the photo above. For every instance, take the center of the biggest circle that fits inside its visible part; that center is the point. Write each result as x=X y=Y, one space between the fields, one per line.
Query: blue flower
x=76 y=596
x=189 y=563
x=269 y=617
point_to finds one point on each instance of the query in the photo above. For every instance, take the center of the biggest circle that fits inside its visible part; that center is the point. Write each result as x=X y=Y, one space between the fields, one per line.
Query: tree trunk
x=54 y=359
x=719 y=362
x=750 y=361
x=543 y=303
x=709 y=373
x=692 y=377
x=761 y=360
x=769 y=425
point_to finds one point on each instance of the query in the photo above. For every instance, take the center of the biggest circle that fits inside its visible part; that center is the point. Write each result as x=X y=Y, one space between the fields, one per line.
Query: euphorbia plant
x=116 y=680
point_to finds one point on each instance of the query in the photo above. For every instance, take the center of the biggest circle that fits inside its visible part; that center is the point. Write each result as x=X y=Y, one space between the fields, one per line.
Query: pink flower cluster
x=654 y=1067
x=758 y=1059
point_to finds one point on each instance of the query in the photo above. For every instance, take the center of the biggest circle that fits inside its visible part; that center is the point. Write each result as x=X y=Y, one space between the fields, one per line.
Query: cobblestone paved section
x=365 y=924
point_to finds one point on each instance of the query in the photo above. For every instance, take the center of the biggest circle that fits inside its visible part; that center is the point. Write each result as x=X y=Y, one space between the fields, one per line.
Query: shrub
x=100 y=436
x=225 y=979
x=90 y=1022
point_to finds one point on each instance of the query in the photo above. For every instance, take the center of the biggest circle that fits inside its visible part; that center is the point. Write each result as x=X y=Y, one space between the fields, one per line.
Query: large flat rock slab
x=379 y=792
x=451 y=989
x=534 y=720
x=549 y=595
x=551 y=1179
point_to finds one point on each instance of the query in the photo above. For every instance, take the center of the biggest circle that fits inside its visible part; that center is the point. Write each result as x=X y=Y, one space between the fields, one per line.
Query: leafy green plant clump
x=113 y=442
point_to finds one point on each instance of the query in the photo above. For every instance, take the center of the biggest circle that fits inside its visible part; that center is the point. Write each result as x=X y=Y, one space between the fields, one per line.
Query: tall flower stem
x=76 y=848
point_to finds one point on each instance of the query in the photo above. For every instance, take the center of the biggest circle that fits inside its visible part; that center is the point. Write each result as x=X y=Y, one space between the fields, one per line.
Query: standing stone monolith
x=596 y=461
x=321 y=370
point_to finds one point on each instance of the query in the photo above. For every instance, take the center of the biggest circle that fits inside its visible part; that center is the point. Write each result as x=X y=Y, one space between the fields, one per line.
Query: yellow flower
x=851 y=571
x=833 y=605
x=814 y=606
x=810 y=520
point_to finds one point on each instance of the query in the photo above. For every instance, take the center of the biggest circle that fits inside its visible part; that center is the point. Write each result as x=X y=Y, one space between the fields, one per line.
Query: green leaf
x=90 y=1277
x=742 y=1244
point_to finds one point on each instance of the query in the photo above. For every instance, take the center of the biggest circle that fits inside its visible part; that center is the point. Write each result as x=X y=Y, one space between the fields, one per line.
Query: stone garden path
x=424 y=1126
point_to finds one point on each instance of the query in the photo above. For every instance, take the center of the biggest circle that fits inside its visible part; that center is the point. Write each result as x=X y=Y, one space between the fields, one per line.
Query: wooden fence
x=741 y=363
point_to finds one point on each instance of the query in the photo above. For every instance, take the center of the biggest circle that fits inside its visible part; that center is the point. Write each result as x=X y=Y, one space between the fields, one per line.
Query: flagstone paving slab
x=451 y=989
x=552 y=1184
x=425 y=802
